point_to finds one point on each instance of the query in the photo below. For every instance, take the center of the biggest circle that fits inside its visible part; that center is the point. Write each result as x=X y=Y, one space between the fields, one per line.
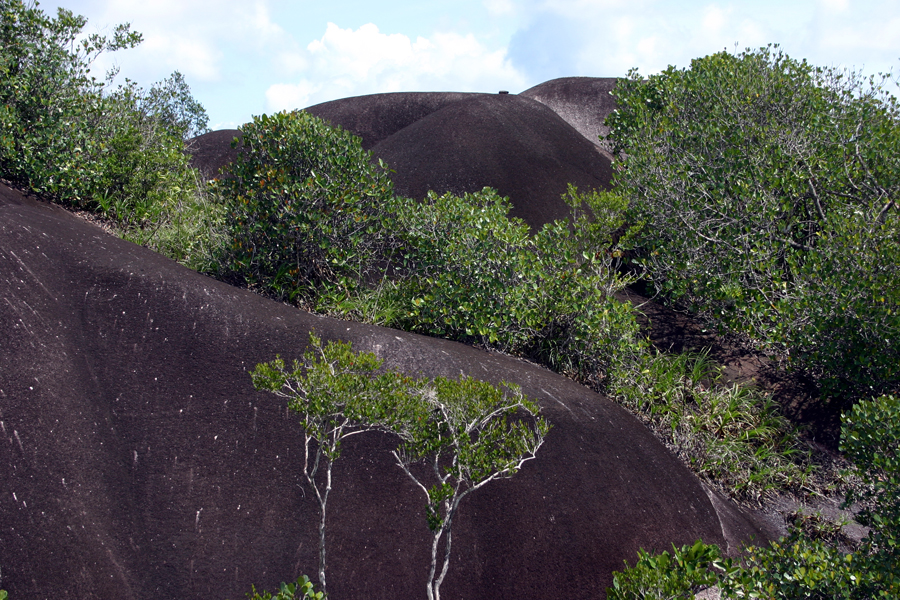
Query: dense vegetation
x=114 y=150
x=313 y=220
x=748 y=181
x=806 y=564
x=763 y=195
x=767 y=193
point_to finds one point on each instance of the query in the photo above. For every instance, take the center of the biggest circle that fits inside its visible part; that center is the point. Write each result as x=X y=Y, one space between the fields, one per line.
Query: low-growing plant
x=678 y=576
x=732 y=436
x=871 y=439
x=288 y=591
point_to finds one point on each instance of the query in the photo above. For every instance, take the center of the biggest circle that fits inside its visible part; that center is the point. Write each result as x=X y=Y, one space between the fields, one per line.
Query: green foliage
x=459 y=267
x=766 y=189
x=871 y=439
x=306 y=209
x=312 y=220
x=171 y=103
x=334 y=390
x=733 y=437
x=805 y=564
x=668 y=577
x=797 y=567
x=288 y=591
x=119 y=152
x=463 y=434
x=337 y=393
x=472 y=273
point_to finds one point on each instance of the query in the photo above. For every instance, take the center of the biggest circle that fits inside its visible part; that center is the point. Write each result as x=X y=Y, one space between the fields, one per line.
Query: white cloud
x=835 y=5
x=347 y=62
x=714 y=19
x=500 y=7
x=192 y=37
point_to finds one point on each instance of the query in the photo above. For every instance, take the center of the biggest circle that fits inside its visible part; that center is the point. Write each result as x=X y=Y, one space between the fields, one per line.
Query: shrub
x=289 y=591
x=767 y=189
x=804 y=565
x=305 y=209
x=667 y=577
x=64 y=134
x=312 y=220
x=871 y=439
x=119 y=152
x=472 y=273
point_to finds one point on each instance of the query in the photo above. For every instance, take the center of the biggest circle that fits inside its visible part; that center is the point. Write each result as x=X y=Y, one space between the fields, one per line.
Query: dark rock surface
x=583 y=102
x=137 y=461
x=376 y=117
x=212 y=151
x=511 y=143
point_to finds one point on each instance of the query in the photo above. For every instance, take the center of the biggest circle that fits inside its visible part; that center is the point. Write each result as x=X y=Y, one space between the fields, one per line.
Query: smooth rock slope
x=459 y=143
x=583 y=102
x=137 y=461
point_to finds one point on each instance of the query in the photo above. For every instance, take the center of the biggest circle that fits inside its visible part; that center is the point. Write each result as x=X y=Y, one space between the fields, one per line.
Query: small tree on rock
x=337 y=394
x=465 y=433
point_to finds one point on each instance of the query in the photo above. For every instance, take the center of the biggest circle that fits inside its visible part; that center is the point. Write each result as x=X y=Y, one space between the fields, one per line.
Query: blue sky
x=245 y=57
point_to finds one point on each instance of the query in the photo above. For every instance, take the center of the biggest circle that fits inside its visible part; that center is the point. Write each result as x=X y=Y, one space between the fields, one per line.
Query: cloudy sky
x=246 y=57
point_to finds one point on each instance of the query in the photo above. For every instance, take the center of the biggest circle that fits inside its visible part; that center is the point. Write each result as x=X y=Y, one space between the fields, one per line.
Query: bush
x=471 y=273
x=871 y=439
x=687 y=571
x=119 y=152
x=767 y=189
x=801 y=565
x=289 y=591
x=306 y=209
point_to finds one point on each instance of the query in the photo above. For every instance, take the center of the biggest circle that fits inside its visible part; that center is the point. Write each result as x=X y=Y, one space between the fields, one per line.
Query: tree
x=171 y=103
x=307 y=209
x=767 y=190
x=466 y=433
x=337 y=394
x=77 y=139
